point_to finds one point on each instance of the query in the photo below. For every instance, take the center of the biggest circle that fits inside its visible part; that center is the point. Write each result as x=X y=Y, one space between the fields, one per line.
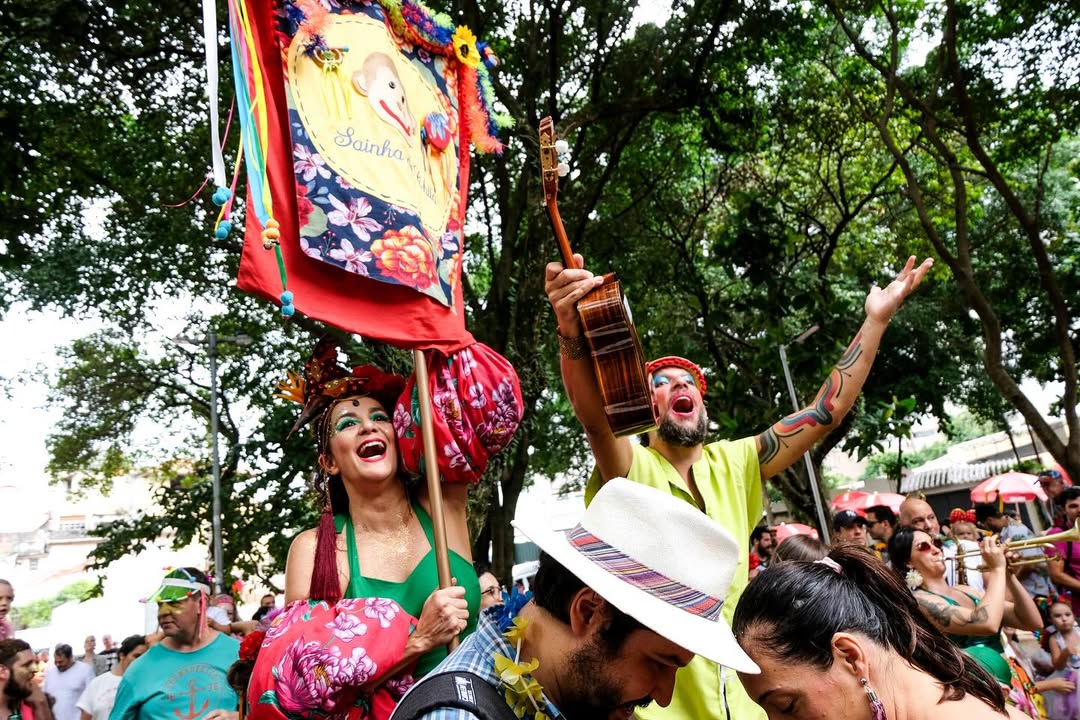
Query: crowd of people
x=60 y=685
x=666 y=601
x=967 y=583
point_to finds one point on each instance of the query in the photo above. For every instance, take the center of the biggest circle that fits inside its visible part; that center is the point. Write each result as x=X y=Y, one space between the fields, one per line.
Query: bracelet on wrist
x=575 y=348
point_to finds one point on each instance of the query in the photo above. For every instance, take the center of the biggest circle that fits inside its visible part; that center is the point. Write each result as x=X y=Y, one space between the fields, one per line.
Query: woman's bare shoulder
x=1015 y=714
x=305 y=540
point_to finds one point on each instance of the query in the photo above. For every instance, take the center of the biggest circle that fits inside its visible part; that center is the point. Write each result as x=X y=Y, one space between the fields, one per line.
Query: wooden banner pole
x=431 y=471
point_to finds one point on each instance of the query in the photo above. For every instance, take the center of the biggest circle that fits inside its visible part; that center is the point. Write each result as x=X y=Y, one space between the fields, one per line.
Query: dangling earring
x=877 y=709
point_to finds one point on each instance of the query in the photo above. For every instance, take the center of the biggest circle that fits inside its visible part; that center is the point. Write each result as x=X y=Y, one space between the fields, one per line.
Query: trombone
x=1070 y=535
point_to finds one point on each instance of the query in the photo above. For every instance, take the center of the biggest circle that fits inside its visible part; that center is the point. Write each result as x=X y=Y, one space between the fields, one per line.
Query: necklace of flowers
x=524 y=694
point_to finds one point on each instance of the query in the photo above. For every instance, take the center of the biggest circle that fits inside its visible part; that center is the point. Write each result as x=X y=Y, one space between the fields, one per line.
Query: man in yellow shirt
x=722 y=479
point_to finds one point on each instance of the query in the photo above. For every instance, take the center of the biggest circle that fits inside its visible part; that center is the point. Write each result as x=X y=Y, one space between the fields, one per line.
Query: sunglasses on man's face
x=172 y=606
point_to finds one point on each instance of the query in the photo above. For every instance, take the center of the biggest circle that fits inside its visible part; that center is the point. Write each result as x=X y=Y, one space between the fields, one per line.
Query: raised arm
x=784 y=443
x=1020 y=609
x=564 y=287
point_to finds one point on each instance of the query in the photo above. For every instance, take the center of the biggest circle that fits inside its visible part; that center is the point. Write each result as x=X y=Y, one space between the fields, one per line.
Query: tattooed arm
x=1020 y=609
x=955 y=619
x=987 y=615
x=784 y=443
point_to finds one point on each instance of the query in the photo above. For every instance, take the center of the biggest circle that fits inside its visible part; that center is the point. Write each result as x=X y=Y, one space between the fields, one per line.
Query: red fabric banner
x=393 y=313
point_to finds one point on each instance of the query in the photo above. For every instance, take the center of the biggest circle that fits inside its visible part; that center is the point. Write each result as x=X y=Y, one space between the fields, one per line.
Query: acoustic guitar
x=605 y=315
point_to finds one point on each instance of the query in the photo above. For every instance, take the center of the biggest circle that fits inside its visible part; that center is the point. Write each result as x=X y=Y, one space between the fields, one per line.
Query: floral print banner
x=375 y=144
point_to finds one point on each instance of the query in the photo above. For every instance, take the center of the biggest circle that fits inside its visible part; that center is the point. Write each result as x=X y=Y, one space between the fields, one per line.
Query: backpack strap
x=453 y=689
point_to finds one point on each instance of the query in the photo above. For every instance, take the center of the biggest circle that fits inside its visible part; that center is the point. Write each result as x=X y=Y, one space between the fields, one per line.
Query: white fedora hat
x=659 y=560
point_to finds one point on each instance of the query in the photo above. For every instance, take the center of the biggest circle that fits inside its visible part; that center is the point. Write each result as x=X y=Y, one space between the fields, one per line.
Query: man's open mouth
x=683 y=405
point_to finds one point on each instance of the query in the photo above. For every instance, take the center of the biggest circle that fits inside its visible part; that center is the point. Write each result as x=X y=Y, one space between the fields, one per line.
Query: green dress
x=985 y=649
x=415 y=589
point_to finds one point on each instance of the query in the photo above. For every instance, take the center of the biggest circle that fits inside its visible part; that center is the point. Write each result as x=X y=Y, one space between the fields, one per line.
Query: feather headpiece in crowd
x=324 y=382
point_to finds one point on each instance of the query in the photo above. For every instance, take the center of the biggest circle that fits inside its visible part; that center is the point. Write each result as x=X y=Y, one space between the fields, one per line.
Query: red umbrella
x=1010 y=487
x=860 y=501
x=846 y=500
x=786 y=530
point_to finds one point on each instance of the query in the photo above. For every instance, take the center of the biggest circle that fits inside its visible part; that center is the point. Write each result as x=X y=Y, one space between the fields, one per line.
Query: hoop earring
x=877 y=709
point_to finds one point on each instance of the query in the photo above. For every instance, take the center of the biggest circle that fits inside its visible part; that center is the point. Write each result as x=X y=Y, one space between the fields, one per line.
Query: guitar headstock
x=553 y=160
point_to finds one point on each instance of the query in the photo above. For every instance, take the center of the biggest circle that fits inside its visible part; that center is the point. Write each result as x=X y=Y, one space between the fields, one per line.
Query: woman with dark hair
x=804 y=548
x=971 y=618
x=375 y=539
x=843 y=638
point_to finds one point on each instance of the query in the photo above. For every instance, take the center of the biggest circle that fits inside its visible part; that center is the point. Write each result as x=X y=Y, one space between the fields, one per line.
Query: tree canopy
x=749 y=169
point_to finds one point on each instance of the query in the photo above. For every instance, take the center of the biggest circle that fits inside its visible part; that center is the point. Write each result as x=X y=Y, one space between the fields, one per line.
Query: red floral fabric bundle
x=477 y=407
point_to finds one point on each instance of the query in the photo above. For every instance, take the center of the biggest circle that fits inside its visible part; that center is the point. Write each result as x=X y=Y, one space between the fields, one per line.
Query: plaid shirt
x=477 y=655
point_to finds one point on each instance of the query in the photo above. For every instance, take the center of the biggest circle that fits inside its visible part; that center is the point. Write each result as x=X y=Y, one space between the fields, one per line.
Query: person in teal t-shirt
x=182 y=677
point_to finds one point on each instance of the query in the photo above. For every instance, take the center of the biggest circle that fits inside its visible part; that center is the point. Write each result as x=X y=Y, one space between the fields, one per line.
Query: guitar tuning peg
x=562 y=147
x=563 y=169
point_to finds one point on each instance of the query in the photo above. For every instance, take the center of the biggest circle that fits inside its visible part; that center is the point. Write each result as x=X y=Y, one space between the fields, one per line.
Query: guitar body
x=617 y=358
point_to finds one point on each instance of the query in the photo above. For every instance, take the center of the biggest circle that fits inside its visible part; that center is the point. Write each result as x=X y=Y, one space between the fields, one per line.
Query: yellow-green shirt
x=728 y=478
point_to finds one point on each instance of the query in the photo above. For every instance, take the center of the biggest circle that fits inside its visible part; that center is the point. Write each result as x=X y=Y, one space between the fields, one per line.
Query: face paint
x=349 y=419
x=661 y=380
x=173 y=607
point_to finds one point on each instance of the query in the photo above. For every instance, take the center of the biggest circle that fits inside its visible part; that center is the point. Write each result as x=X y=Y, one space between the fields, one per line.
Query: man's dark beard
x=589 y=692
x=681 y=436
x=14 y=691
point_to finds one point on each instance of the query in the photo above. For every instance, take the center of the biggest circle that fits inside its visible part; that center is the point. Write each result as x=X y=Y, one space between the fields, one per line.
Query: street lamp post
x=806 y=455
x=210 y=342
x=215 y=465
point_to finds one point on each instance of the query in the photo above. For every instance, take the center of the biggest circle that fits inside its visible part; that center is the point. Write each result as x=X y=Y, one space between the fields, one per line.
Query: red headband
x=675 y=361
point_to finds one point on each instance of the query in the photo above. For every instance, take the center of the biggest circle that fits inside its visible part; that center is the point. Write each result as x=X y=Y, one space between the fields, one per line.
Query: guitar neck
x=560 y=236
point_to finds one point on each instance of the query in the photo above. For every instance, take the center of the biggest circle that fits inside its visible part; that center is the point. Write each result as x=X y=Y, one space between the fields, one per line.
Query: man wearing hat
x=849 y=528
x=621 y=602
x=722 y=479
x=183 y=676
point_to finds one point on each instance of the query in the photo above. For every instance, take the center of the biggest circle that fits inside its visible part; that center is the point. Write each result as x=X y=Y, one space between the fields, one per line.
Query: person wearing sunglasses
x=186 y=671
x=972 y=619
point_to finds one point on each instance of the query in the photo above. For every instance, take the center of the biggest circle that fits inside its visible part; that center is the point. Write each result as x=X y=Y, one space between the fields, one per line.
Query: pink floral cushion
x=320 y=661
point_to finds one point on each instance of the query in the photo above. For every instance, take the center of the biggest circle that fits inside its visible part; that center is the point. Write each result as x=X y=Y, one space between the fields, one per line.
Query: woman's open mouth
x=372 y=450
